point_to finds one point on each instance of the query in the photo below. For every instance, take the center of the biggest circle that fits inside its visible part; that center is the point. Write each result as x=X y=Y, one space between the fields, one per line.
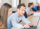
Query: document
x=37 y=14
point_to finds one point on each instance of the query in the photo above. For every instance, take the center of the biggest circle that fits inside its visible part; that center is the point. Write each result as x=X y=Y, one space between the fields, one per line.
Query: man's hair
x=20 y=5
x=30 y=4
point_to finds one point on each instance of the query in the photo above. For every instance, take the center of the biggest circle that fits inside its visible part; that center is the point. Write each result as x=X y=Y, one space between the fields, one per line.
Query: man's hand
x=26 y=26
x=31 y=24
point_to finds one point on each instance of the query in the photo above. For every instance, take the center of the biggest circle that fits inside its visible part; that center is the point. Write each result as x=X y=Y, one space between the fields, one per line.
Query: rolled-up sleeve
x=15 y=24
x=25 y=20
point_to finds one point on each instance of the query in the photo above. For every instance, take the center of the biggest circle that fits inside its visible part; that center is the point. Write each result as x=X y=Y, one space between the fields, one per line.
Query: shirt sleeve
x=15 y=24
x=27 y=11
x=25 y=20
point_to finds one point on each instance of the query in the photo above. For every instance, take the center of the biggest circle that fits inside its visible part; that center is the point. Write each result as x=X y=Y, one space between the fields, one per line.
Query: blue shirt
x=14 y=19
x=35 y=8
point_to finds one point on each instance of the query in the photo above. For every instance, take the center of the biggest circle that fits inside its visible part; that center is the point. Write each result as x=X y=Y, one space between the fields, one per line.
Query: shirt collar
x=17 y=15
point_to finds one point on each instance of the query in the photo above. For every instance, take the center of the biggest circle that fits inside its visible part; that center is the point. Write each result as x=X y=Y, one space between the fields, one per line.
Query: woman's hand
x=1 y=25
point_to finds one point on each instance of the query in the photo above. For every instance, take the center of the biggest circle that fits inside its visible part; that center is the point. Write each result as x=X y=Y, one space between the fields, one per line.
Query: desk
x=33 y=20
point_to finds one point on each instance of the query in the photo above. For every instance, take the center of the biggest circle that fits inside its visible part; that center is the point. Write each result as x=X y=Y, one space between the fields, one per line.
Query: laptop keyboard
x=32 y=27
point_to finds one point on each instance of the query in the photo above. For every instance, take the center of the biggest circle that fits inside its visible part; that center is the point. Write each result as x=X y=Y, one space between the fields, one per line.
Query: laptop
x=33 y=27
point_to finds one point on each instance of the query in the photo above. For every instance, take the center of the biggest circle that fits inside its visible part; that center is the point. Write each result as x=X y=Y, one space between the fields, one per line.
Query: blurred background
x=14 y=3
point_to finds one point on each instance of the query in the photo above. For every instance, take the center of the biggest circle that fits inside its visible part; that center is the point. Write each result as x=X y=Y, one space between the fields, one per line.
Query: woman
x=29 y=9
x=6 y=11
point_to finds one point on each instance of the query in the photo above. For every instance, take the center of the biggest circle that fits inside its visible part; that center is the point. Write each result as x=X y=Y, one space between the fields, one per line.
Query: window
x=38 y=1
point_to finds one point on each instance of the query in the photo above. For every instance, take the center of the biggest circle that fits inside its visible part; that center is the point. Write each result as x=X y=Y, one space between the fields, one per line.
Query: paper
x=37 y=14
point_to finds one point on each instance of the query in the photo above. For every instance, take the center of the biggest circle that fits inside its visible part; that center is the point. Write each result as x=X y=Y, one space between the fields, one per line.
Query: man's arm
x=25 y=20
x=15 y=24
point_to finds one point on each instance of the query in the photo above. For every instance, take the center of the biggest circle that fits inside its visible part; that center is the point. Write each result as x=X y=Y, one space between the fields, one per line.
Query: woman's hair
x=4 y=13
x=0 y=14
x=30 y=4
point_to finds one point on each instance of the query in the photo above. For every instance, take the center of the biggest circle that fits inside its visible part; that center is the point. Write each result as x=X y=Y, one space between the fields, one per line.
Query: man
x=36 y=8
x=15 y=18
x=29 y=9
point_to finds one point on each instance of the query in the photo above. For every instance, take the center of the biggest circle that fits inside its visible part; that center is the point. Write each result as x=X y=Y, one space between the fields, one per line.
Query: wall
x=7 y=1
x=0 y=3
x=38 y=1
x=14 y=3
x=28 y=1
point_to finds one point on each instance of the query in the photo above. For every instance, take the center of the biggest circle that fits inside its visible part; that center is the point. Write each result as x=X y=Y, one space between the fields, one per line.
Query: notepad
x=37 y=14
